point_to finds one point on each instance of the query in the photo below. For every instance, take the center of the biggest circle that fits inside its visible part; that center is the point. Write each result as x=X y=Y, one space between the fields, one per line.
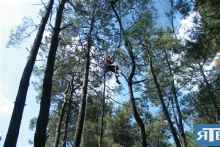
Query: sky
x=12 y=62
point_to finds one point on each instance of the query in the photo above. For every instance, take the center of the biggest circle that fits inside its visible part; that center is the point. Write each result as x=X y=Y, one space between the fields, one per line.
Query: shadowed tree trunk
x=130 y=79
x=58 y=132
x=42 y=121
x=96 y=127
x=103 y=113
x=66 y=124
x=14 y=126
x=166 y=113
x=62 y=112
x=81 y=115
x=179 y=122
x=68 y=113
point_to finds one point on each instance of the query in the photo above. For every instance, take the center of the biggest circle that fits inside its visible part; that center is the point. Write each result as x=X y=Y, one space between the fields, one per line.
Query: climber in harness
x=111 y=66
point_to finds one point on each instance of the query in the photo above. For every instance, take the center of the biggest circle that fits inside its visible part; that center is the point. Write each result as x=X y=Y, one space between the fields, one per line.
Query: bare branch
x=44 y=4
x=124 y=76
x=135 y=82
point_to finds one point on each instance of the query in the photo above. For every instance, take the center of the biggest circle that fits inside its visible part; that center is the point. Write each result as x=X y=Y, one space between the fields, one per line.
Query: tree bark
x=14 y=126
x=174 y=112
x=130 y=79
x=102 y=115
x=81 y=115
x=68 y=113
x=166 y=113
x=62 y=112
x=58 y=132
x=96 y=127
x=42 y=121
x=174 y=91
x=211 y=94
x=67 y=122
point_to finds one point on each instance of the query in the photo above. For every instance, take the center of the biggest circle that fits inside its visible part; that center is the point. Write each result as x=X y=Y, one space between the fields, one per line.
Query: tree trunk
x=13 y=130
x=68 y=113
x=211 y=94
x=166 y=113
x=130 y=78
x=174 y=112
x=102 y=115
x=81 y=115
x=174 y=91
x=96 y=127
x=41 y=127
x=62 y=112
x=67 y=122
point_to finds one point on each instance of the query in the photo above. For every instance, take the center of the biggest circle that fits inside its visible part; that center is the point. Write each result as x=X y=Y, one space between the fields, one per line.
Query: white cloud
x=186 y=25
x=6 y=106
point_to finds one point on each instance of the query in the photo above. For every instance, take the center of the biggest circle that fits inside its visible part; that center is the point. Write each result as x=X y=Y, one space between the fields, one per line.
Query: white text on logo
x=214 y=134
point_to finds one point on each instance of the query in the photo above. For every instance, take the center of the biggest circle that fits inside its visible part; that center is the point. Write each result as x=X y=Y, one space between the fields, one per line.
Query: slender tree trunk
x=102 y=115
x=62 y=112
x=58 y=132
x=173 y=131
x=68 y=113
x=41 y=127
x=96 y=127
x=67 y=122
x=174 y=112
x=81 y=115
x=14 y=126
x=174 y=91
x=211 y=94
x=130 y=79
x=180 y=120
x=172 y=15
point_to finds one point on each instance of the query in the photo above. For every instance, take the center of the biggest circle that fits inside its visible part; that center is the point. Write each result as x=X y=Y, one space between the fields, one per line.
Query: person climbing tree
x=111 y=66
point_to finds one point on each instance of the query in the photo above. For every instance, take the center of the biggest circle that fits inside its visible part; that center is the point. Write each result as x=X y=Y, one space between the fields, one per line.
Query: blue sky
x=12 y=62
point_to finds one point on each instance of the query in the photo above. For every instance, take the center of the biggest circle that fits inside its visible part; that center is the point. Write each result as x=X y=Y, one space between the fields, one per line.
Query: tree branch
x=135 y=82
